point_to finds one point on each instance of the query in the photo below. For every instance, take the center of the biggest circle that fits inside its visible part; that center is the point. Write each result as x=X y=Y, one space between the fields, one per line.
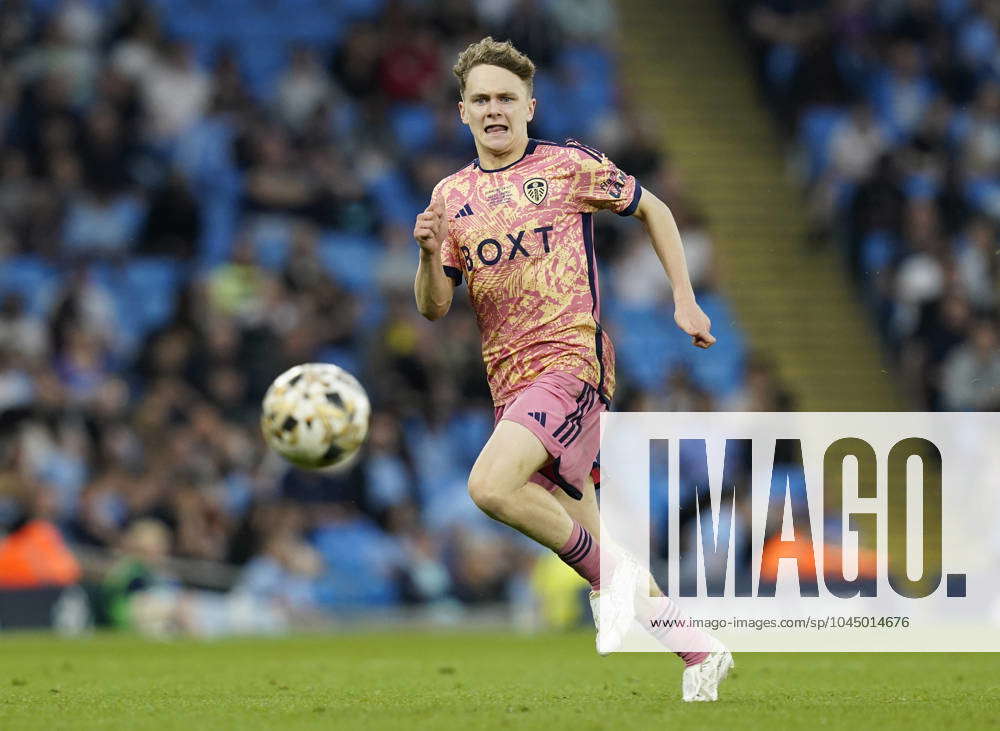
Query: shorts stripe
x=571 y=428
x=577 y=412
x=578 y=426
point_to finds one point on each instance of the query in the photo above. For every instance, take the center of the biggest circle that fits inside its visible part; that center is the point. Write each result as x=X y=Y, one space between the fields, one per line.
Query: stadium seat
x=204 y=155
x=262 y=59
x=646 y=350
x=556 y=120
x=350 y=259
x=879 y=251
x=395 y=201
x=151 y=286
x=354 y=10
x=782 y=62
x=346 y=358
x=360 y=559
x=816 y=128
x=271 y=237
x=590 y=70
x=373 y=309
x=35 y=280
x=219 y=216
x=412 y=125
x=720 y=369
x=144 y=294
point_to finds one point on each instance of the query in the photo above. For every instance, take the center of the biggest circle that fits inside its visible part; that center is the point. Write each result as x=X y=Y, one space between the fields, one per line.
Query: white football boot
x=619 y=601
x=701 y=681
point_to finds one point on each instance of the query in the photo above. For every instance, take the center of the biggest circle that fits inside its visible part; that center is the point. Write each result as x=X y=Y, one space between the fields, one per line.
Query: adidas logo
x=466 y=210
x=538 y=416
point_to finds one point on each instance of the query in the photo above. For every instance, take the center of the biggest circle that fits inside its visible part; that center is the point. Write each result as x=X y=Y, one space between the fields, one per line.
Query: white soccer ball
x=315 y=415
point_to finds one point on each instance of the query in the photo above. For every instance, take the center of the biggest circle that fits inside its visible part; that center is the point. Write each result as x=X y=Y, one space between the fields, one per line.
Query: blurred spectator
x=283 y=575
x=971 y=374
x=33 y=553
x=140 y=569
x=20 y=332
x=175 y=92
x=302 y=89
x=173 y=222
x=978 y=263
x=762 y=390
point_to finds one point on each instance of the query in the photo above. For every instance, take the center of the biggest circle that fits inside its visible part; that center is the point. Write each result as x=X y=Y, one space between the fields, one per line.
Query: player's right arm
x=432 y=288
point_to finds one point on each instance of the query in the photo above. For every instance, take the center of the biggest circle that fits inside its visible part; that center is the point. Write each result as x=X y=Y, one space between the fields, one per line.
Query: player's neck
x=490 y=161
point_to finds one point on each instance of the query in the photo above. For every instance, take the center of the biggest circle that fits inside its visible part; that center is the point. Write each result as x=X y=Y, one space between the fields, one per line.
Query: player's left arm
x=666 y=239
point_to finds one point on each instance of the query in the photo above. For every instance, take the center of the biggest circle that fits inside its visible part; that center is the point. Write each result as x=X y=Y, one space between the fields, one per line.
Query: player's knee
x=484 y=494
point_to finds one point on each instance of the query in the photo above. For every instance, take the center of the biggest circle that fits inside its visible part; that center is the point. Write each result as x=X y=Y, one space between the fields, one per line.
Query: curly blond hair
x=494 y=53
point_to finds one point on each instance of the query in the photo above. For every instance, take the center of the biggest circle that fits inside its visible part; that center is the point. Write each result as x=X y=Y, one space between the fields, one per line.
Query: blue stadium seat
x=350 y=259
x=151 y=286
x=312 y=23
x=191 y=22
x=556 y=119
x=921 y=186
x=346 y=358
x=412 y=126
x=782 y=61
x=204 y=154
x=646 y=347
x=395 y=201
x=650 y=346
x=262 y=60
x=720 y=369
x=218 y=228
x=144 y=293
x=35 y=280
x=360 y=560
x=353 y=10
x=44 y=6
x=373 y=310
x=592 y=84
x=271 y=237
x=879 y=249
x=815 y=131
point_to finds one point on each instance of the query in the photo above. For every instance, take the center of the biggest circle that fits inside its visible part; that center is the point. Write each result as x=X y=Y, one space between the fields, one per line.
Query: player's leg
x=706 y=661
x=618 y=605
x=499 y=484
x=584 y=511
x=504 y=484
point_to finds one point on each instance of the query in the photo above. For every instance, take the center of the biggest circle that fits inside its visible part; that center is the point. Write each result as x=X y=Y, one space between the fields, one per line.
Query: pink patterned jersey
x=522 y=237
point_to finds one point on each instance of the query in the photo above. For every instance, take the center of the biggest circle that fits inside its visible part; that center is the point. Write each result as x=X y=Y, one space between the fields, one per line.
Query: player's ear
x=461 y=113
x=531 y=108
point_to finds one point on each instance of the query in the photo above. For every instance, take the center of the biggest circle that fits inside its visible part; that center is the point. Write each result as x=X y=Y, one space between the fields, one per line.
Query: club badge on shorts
x=536 y=189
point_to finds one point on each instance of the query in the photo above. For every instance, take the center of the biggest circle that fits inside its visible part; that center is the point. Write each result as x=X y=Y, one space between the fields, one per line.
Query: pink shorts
x=565 y=414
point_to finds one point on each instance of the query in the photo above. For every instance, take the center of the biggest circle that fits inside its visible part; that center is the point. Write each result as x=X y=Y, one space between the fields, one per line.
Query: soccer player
x=516 y=225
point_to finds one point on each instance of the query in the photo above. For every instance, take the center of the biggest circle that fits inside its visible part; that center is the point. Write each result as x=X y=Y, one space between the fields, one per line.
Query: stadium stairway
x=796 y=305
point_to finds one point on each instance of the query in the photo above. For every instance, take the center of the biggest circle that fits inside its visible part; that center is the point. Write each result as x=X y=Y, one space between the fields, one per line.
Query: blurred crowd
x=896 y=106
x=195 y=196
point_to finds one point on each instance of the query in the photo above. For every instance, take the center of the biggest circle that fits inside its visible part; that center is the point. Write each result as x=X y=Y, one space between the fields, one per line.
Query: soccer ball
x=315 y=415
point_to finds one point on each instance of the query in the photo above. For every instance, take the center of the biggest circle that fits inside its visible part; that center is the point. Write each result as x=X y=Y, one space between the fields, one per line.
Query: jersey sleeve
x=450 y=260
x=600 y=185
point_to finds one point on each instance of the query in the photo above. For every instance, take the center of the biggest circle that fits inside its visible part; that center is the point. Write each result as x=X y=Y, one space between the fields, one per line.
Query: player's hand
x=690 y=318
x=431 y=227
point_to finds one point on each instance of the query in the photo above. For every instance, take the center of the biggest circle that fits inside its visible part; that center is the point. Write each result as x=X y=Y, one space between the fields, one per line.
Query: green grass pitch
x=468 y=681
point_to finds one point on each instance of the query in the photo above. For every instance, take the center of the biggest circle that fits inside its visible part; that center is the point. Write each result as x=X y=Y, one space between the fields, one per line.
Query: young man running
x=517 y=225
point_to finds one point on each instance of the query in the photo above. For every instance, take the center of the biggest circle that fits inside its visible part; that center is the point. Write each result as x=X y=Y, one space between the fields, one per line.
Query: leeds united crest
x=536 y=189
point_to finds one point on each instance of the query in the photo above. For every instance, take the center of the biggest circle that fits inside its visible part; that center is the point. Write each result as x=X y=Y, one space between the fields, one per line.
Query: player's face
x=497 y=107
